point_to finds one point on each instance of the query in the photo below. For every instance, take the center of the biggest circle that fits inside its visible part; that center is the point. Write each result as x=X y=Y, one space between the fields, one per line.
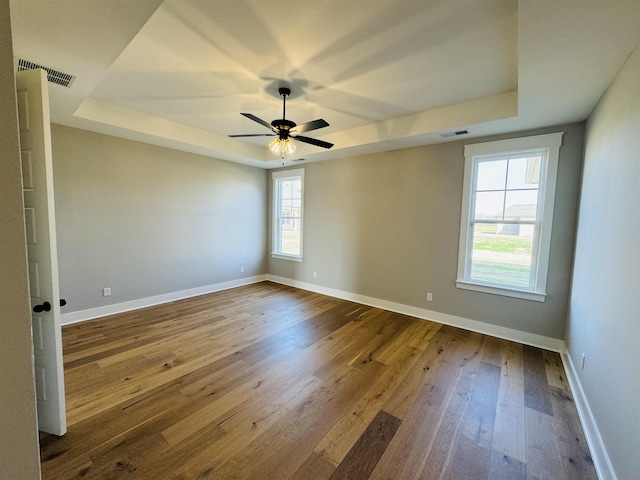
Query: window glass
x=491 y=175
x=501 y=254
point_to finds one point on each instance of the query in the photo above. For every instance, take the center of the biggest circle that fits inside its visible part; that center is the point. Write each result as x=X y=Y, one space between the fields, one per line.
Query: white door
x=39 y=214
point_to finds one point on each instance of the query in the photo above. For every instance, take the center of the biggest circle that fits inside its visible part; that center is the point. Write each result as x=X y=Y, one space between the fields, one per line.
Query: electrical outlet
x=241 y=268
x=584 y=357
x=106 y=292
x=315 y=274
x=429 y=297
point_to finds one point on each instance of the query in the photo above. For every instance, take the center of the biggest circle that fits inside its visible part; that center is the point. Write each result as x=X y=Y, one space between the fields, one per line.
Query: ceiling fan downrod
x=284 y=93
x=283 y=125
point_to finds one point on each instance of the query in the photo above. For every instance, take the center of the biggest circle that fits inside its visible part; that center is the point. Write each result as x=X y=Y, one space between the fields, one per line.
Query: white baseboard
x=548 y=343
x=601 y=460
x=83 y=315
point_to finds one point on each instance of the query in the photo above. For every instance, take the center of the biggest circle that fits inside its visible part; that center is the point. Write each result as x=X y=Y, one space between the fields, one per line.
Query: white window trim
x=550 y=143
x=279 y=175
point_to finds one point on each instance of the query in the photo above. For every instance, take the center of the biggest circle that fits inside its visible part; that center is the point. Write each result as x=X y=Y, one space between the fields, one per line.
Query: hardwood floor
x=271 y=382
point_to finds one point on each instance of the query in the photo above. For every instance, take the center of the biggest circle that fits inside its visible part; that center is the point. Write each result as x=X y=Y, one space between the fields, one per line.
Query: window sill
x=506 y=292
x=280 y=256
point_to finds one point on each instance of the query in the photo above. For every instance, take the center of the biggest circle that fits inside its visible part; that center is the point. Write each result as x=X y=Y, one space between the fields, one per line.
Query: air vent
x=454 y=134
x=53 y=75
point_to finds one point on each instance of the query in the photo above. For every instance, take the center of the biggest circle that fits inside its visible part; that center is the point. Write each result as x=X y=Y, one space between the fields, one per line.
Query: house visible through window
x=288 y=194
x=507 y=211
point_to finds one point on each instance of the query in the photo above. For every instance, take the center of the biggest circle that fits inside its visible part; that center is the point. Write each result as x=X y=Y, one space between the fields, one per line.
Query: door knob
x=45 y=307
x=63 y=302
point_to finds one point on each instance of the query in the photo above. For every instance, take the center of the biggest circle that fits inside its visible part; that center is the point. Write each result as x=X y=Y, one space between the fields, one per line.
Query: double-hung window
x=288 y=196
x=507 y=213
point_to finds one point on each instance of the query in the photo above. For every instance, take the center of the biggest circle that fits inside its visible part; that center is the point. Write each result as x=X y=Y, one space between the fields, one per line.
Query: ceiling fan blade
x=260 y=121
x=305 y=127
x=254 y=135
x=314 y=141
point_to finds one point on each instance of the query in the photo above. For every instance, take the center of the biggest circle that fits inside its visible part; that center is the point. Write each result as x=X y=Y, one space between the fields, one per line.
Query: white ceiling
x=385 y=74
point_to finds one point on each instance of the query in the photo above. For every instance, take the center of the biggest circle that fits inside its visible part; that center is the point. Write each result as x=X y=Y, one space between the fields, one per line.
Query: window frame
x=276 y=243
x=549 y=146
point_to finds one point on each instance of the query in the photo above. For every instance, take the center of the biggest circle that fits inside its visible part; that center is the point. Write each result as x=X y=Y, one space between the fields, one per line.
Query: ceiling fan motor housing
x=283 y=125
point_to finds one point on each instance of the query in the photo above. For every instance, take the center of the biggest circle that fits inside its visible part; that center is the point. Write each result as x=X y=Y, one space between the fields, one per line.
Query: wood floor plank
x=505 y=467
x=509 y=429
x=314 y=467
x=77 y=467
x=417 y=335
x=543 y=456
x=556 y=376
x=272 y=382
x=576 y=458
x=536 y=388
x=423 y=334
x=481 y=413
x=392 y=327
x=472 y=453
x=364 y=455
x=492 y=350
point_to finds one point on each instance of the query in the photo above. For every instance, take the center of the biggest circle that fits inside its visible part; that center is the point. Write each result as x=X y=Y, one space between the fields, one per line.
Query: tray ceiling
x=385 y=75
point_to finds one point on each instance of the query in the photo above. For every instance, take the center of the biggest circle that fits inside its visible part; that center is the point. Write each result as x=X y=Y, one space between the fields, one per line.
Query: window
x=507 y=213
x=288 y=192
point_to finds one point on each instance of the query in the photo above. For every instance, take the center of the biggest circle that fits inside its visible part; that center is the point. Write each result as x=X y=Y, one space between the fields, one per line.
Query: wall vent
x=454 y=134
x=53 y=75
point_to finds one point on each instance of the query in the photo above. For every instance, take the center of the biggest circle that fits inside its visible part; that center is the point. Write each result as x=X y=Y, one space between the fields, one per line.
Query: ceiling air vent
x=454 y=134
x=54 y=76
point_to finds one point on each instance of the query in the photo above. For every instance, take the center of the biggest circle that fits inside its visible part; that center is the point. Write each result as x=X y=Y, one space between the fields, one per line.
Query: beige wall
x=604 y=315
x=146 y=220
x=19 y=450
x=387 y=226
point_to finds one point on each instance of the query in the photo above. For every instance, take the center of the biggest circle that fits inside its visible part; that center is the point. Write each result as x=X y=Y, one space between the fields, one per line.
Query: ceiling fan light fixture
x=275 y=146
x=289 y=146
x=280 y=146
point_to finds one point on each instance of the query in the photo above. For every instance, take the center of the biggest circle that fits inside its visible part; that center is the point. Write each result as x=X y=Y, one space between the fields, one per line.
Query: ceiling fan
x=285 y=130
